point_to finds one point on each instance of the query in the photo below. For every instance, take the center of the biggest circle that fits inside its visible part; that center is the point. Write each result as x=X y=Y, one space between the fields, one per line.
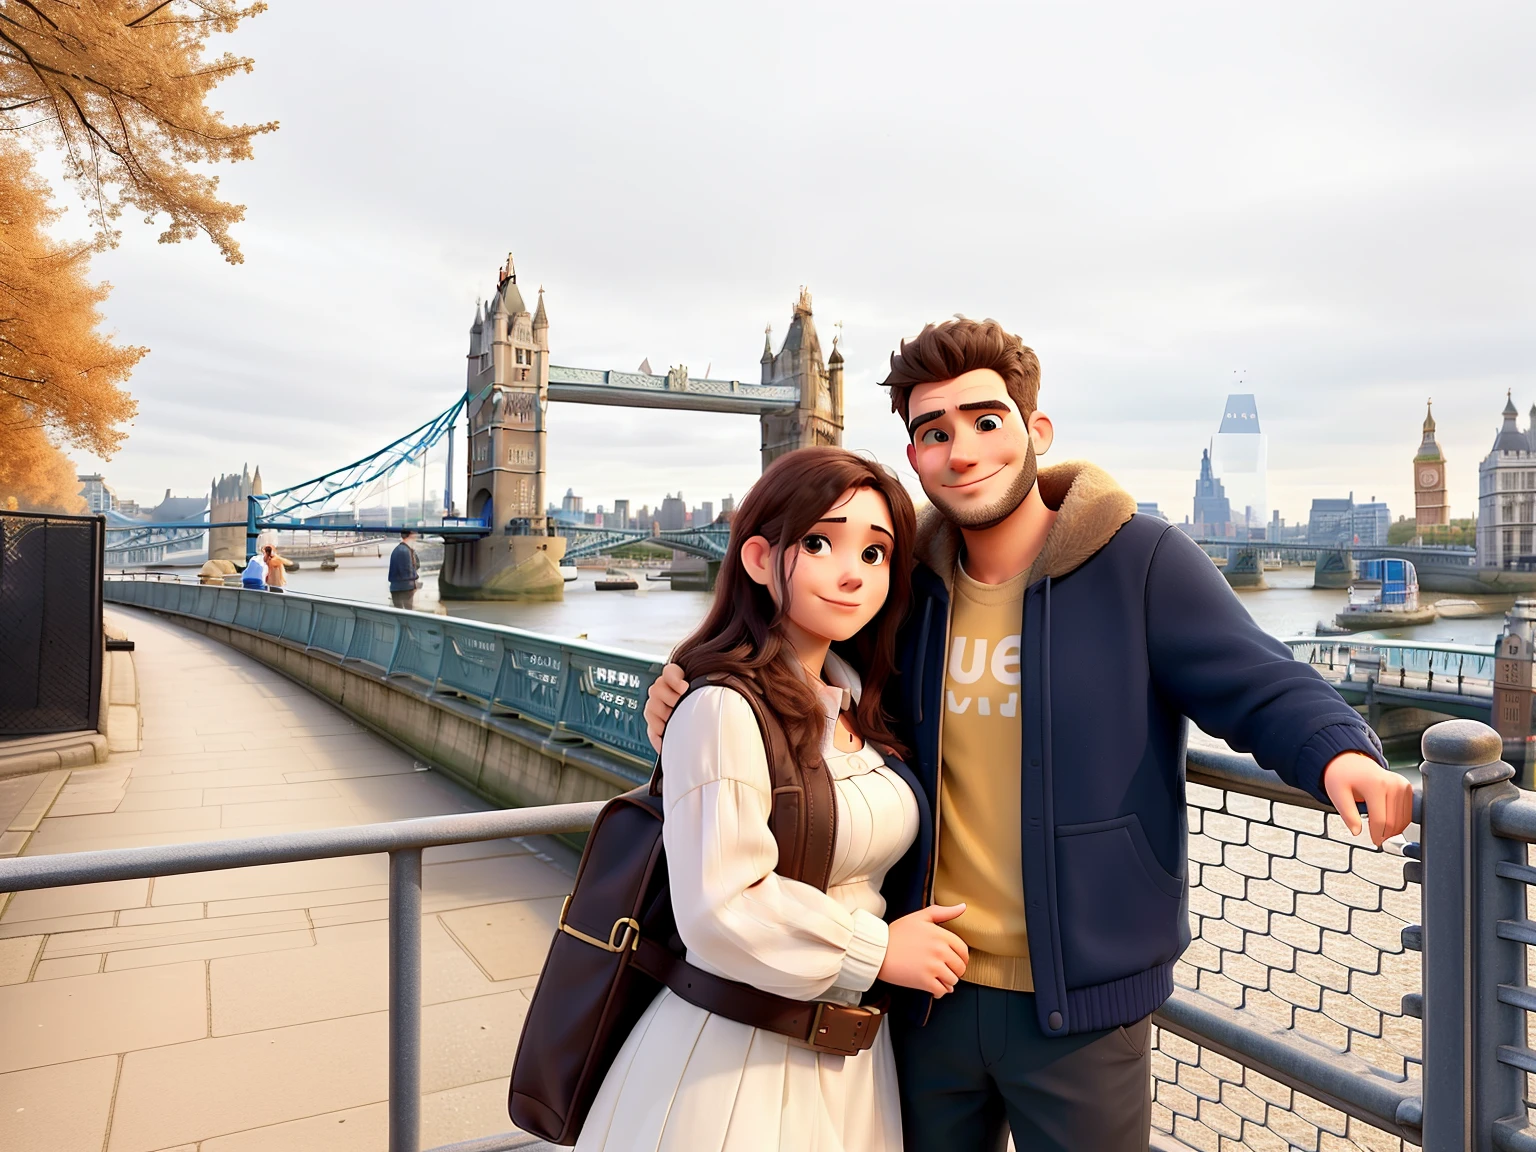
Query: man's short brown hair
x=944 y=351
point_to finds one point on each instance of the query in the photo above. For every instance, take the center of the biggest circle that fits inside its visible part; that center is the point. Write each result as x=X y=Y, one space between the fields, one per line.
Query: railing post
x=405 y=1000
x=1461 y=765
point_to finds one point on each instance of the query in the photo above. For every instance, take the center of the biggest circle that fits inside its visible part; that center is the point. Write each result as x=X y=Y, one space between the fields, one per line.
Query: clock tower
x=1431 y=510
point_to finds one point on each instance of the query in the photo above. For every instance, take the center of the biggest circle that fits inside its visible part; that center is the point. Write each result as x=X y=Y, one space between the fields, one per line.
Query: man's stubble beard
x=979 y=519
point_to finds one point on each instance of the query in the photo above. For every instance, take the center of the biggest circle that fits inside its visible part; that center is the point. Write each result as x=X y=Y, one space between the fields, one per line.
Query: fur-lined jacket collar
x=1090 y=509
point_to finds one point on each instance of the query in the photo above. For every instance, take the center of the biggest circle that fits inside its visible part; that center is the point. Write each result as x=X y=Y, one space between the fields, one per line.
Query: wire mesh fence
x=1301 y=926
x=50 y=623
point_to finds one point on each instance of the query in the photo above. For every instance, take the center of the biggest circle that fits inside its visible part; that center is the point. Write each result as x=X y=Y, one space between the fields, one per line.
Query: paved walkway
x=245 y=1010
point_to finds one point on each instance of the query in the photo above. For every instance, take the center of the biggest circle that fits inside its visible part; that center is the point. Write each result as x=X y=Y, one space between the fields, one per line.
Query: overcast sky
x=1332 y=202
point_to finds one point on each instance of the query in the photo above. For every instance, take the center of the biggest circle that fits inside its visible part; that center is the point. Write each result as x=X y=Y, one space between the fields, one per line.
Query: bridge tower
x=819 y=417
x=228 y=501
x=508 y=388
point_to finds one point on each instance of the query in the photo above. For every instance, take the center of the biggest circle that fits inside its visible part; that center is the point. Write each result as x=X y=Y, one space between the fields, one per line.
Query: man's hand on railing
x=1352 y=779
x=666 y=690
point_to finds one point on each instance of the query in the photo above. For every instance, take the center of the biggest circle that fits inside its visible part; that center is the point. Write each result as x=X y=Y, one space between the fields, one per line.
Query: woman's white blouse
x=737 y=917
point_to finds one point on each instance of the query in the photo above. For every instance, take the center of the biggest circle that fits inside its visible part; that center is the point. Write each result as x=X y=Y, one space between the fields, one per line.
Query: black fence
x=50 y=622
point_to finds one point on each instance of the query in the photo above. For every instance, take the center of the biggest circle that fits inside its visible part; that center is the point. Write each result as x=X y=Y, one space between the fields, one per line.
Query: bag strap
x=803 y=814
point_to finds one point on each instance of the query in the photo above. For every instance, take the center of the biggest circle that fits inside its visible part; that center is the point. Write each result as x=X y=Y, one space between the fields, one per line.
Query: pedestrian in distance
x=820 y=555
x=1057 y=647
x=404 y=572
x=277 y=579
x=255 y=575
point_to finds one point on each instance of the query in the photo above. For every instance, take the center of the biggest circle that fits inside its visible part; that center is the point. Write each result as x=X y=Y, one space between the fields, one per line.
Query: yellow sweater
x=980 y=858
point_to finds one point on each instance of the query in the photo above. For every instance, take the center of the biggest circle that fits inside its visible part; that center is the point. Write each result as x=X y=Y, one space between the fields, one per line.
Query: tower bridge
x=508 y=547
x=511 y=381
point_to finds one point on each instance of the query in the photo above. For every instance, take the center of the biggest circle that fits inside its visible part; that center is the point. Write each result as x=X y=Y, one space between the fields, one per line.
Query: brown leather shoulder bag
x=617 y=945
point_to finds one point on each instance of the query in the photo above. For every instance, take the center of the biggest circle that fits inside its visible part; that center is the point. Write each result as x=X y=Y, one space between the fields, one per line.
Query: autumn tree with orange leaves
x=120 y=88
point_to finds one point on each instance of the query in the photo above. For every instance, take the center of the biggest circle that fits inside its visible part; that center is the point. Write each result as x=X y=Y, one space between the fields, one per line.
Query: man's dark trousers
x=981 y=1066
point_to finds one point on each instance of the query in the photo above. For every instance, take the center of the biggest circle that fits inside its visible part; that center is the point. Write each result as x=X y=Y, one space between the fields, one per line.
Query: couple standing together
x=999 y=690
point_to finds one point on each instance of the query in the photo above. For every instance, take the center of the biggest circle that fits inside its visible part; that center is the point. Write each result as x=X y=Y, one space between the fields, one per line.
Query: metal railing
x=1465 y=669
x=1296 y=1008
x=1333 y=994
x=585 y=689
x=404 y=840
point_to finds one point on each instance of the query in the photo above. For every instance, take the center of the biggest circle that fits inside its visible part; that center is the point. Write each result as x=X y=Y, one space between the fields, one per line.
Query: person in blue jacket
x=404 y=572
x=1057 y=646
x=255 y=575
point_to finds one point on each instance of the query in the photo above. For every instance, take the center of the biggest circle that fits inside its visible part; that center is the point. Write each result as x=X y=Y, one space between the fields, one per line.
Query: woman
x=820 y=553
x=277 y=579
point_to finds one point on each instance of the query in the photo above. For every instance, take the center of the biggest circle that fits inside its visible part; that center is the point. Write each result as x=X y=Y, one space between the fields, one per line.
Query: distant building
x=174 y=508
x=1331 y=521
x=1240 y=459
x=1213 y=511
x=1149 y=509
x=1369 y=523
x=99 y=497
x=570 y=502
x=1430 y=506
x=621 y=514
x=728 y=505
x=673 y=515
x=1506 y=496
x=705 y=513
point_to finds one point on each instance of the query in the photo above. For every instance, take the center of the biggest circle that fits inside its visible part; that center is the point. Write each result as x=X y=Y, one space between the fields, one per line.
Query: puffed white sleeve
x=736 y=915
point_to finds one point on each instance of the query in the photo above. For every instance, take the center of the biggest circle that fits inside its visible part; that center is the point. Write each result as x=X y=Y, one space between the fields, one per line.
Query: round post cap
x=1468 y=742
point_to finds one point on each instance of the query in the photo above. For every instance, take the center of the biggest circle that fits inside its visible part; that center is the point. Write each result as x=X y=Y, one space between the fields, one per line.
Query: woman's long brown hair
x=742 y=634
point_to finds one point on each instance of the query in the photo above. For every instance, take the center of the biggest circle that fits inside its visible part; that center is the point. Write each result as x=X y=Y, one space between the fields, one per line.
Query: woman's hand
x=919 y=954
x=665 y=692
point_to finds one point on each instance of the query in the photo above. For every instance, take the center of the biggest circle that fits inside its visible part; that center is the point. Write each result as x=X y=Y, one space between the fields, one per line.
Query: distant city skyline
x=1463 y=447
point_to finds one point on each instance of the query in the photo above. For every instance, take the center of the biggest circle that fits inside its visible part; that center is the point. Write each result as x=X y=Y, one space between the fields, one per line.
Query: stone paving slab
x=509 y=941
x=58 y=1020
x=471 y=1107
x=18 y=956
x=242 y=1010
x=60 y=1106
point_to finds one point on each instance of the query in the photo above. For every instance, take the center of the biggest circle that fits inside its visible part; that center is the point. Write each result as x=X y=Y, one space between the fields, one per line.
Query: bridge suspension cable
x=362 y=476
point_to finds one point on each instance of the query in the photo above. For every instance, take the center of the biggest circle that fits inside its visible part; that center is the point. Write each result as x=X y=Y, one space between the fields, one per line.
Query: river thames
x=653 y=618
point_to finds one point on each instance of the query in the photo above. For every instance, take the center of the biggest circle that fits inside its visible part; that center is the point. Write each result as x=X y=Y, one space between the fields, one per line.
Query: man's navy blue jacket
x=1137 y=633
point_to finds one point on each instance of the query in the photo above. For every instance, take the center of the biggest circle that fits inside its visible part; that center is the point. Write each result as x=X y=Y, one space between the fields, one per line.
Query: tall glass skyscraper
x=1240 y=458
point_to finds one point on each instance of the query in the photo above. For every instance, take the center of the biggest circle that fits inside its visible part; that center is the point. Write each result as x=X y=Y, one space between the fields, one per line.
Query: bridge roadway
x=244 y=1011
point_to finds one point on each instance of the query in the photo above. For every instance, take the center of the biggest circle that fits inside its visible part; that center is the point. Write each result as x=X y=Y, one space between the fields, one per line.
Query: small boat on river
x=1386 y=595
x=616 y=582
x=329 y=565
x=569 y=572
x=1455 y=609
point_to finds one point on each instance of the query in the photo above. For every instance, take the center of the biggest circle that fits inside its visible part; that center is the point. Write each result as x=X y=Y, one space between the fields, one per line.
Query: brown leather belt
x=823 y=1026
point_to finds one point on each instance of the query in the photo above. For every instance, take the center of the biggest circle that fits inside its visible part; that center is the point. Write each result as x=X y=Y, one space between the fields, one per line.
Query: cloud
x=1329 y=202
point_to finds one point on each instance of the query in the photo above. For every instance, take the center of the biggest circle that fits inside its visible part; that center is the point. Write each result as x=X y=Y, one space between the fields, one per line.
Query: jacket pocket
x=1119 y=910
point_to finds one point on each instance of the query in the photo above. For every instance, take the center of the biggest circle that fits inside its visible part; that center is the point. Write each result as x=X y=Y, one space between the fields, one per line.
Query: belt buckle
x=837 y=1032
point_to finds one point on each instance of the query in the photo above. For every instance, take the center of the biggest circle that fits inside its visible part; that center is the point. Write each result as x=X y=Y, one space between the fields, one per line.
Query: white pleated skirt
x=687 y=1080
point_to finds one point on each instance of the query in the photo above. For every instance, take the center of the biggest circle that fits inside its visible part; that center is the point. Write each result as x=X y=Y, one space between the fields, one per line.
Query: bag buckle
x=843 y=1029
x=630 y=937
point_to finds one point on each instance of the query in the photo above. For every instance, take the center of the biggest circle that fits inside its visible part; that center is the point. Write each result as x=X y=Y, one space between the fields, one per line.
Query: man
x=403 y=580
x=1056 y=643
